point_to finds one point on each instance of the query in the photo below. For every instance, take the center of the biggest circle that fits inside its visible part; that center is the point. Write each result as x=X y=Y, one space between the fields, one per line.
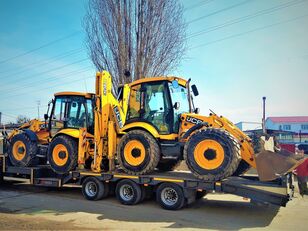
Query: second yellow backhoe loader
x=151 y=123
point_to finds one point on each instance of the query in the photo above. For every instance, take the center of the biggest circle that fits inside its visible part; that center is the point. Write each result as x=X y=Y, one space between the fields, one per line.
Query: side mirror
x=197 y=110
x=46 y=116
x=195 y=90
x=176 y=105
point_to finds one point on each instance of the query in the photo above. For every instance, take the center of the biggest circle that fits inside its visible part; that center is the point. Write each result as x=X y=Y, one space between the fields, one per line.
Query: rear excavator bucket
x=273 y=162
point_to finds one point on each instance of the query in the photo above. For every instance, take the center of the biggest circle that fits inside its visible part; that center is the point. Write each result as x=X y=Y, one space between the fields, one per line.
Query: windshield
x=179 y=94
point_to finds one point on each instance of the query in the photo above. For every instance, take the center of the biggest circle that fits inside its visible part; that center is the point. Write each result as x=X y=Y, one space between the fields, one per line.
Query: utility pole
x=263 y=118
x=38 y=109
x=0 y=118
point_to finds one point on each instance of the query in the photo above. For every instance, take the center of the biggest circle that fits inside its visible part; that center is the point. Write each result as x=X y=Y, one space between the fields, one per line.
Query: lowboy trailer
x=172 y=190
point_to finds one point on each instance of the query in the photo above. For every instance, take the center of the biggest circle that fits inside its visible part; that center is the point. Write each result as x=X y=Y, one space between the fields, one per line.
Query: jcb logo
x=105 y=87
x=193 y=120
x=118 y=116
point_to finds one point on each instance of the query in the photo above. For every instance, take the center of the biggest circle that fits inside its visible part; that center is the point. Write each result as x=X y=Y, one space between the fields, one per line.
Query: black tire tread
x=234 y=162
x=179 y=190
x=103 y=189
x=137 y=190
x=154 y=152
x=74 y=156
x=31 y=159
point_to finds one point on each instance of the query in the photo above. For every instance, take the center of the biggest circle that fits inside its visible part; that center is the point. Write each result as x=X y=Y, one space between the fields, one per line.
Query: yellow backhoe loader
x=151 y=124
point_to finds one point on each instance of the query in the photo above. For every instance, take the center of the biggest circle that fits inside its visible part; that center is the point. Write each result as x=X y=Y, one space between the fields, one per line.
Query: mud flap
x=272 y=163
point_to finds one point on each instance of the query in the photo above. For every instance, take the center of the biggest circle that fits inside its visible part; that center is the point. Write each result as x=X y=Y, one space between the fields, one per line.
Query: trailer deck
x=277 y=192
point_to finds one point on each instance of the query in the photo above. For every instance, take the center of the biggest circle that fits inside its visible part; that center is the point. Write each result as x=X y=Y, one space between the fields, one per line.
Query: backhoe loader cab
x=159 y=103
x=72 y=110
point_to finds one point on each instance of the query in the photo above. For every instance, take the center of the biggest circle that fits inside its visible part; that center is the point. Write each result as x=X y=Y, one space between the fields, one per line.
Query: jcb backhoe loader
x=151 y=123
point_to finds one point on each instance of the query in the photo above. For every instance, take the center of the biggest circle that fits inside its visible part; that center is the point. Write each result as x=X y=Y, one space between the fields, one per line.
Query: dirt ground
x=24 y=207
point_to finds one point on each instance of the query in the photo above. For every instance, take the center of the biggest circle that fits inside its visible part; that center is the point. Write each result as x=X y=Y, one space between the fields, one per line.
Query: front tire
x=62 y=154
x=22 y=151
x=212 y=154
x=138 y=152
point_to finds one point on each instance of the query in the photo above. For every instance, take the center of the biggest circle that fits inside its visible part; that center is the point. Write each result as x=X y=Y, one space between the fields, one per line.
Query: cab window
x=150 y=102
x=72 y=112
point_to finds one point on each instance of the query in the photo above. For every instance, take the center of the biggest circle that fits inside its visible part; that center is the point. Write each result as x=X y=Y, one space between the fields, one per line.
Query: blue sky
x=246 y=50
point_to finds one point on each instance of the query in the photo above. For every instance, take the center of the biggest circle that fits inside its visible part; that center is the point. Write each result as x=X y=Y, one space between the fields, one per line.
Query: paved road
x=27 y=207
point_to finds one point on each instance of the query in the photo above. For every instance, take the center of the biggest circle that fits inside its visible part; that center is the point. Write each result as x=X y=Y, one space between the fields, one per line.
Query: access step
x=47 y=182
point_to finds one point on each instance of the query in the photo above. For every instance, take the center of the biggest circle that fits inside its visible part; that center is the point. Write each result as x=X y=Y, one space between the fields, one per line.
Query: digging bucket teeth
x=273 y=162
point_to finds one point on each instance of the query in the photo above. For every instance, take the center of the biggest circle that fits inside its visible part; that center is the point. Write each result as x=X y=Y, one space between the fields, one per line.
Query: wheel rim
x=91 y=189
x=60 y=155
x=19 y=150
x=169 y=196
x=126 y=192
x=209 y=154
x=134 y=153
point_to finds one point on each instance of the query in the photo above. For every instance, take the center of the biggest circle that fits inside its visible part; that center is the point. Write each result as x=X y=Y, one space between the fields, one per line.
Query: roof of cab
x=72 y=93
x=162 y=78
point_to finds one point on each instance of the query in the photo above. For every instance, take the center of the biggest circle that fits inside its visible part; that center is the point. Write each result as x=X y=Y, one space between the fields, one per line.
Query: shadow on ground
x=205 y=214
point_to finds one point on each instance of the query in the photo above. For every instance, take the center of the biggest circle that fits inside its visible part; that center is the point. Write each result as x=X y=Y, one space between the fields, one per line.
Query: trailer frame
x=183 y=184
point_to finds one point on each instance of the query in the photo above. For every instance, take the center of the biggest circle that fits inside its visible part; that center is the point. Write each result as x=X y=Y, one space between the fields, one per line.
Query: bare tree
x=22 y=119
x=144 y=37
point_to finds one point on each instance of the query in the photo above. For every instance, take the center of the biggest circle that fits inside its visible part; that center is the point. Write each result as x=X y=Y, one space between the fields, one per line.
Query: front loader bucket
x=272 y=163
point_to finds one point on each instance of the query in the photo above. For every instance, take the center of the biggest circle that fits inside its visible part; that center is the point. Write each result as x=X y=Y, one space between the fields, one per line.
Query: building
x=247 y=126
x=294 y=129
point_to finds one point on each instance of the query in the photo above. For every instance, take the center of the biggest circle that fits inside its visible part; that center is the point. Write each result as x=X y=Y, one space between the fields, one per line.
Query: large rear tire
x=138 y=152
x=212 y=154
x=62 y=154
x=22 y=151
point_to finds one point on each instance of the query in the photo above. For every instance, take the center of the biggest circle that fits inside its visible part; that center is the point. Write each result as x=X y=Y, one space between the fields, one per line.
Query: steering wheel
x=151 y=115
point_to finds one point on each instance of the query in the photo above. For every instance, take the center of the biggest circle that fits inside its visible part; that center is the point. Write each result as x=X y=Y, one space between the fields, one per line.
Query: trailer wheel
x=62 y=154
x=138 y=152
x=170 y=196
x=93 y=189
x=128 y=192
x=22 y=151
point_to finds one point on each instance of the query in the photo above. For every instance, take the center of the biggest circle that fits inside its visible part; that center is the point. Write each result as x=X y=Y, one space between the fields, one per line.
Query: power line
x=245 y=18
x=250 y=31
x=42 y=89
x=24 y=108
x=198 y=4
x=49 y=61
x=51 y=70
x=8 y=115
x=218 y=11
x=60 y=84
x=51 y=79
x=40 y=47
